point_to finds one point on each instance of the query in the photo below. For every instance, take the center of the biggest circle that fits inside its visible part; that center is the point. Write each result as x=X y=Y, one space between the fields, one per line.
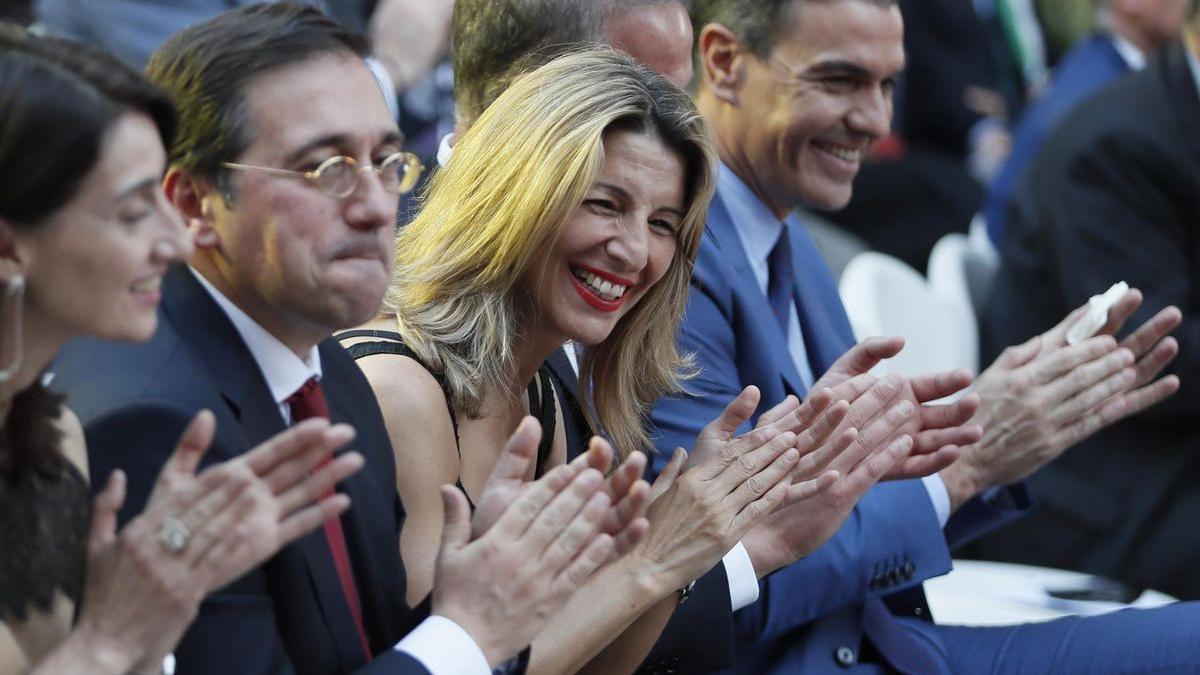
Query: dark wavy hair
x=57 y=100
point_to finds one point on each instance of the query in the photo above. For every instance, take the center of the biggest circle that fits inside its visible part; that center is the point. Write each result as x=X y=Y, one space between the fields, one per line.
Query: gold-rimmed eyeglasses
x=338 y=176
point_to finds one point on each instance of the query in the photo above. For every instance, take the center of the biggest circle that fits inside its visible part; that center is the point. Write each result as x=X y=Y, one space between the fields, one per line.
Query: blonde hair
x=517 y=177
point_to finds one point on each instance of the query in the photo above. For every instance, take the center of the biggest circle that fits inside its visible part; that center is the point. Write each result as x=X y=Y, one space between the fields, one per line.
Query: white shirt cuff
x=743 y=580
x=444 y=648
x=939 y=496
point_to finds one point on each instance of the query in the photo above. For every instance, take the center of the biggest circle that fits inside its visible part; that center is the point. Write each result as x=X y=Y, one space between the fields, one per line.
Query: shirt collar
x=284 y=372
x=1133 y=57
x=757 y=226
x=445 y=150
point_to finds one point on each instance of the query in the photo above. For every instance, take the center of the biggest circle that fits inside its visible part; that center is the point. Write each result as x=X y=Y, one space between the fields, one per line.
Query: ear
x=14 y=257
x=192 y=198
x=723 y=61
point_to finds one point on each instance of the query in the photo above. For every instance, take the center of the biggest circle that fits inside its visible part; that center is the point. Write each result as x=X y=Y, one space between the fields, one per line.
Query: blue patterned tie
x=781 y=279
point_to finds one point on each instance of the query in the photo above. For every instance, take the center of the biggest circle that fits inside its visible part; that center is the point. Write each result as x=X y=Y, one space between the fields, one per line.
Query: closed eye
x=602 y=206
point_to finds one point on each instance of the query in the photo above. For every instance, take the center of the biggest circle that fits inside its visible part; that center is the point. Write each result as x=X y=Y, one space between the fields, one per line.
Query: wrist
x=100 y=653
x=763 y=552
x=962 y=482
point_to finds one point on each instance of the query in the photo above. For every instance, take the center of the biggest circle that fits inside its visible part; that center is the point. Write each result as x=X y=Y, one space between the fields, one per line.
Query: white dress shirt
x=438 y=643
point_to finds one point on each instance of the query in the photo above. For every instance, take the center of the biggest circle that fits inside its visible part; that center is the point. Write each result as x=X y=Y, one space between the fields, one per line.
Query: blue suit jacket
x=288 y=616
x=1090 y=65
x=870 y=572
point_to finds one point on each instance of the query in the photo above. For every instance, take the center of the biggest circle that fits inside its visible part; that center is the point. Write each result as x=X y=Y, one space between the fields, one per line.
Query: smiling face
x=807 y=114
x=95 y=265
x=302 y=263
x=616 y=245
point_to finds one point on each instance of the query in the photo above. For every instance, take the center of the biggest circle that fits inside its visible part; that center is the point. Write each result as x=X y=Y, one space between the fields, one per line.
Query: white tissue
x=1097 y=314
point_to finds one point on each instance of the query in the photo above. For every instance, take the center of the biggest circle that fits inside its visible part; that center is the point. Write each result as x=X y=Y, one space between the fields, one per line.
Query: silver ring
x=173 y=535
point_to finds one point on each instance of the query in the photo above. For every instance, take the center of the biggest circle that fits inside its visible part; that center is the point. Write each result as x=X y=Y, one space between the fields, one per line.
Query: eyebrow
x=624 y=194
x=141 y=186
x=842 y=67
x=338 y=140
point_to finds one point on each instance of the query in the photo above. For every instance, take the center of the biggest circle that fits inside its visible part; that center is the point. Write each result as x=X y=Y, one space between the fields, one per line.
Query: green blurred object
x=1064 y=22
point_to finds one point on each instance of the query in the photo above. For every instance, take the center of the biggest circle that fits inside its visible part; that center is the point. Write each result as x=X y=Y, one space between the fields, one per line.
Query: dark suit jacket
x=1115 y=194
x=1089 y=65
x=699 y=636
x=289 y=615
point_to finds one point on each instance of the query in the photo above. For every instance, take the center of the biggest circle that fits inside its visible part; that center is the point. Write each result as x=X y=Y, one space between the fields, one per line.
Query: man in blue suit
x=1133 y=31
x=797 y=91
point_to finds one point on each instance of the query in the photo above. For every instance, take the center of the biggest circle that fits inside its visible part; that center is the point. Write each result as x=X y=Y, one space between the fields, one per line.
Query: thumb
x=737 y=413
x=518 y=453
x=1018 y=355
x=456 y=520
x=192 y=445
x=104 y=513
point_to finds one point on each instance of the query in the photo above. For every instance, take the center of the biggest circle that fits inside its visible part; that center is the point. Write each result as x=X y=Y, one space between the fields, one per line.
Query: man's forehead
x=328 y=96
x=866 y=34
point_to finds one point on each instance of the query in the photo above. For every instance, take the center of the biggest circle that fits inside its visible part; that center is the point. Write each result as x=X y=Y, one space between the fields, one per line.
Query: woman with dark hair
x=85 y=236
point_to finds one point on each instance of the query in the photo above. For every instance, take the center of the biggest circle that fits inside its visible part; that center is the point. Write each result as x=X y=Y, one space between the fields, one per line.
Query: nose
x=629 y=244
x=872 y=117
x=371 y=205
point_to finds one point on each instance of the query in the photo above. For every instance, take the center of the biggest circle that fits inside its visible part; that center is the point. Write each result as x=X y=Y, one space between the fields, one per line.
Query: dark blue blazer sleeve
x=699 y=636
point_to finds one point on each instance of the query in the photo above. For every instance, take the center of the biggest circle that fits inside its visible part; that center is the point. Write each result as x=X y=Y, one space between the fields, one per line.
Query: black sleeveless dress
x=541 y=403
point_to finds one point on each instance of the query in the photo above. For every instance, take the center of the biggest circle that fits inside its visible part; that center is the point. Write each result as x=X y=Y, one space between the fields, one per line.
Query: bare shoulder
x=74 y=446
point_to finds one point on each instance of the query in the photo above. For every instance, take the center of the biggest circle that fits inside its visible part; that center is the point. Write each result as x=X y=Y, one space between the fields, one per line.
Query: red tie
x=308 y=402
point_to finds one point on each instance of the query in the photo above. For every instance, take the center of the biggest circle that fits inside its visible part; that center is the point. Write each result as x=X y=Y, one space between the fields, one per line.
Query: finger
x=784 y=407
x=295 y=439
x=599 y=456
x=804 y=414
x=308 y=519
x=1149 y=333
x=940 y=385
x=625 y=540
x=748 y=465
x=932 y=440
x=191 y=446
x=625 y=476
x=738 y=412
x=456 y=520
x=867 y=354
x=577 y=572
x=875 y=467
x=630 y=506
x=876 y=399
x=219 y=487
x=816 y=452
x=1134 y=402
x=1018 y=355
x=778 y=472
x=578 y=533
x=1083 y=402
x=563 y=509
x=760 y=508
x=872 y=439
x=854 y=387
x=1066 y=359
x=1121 y=310
x=103 y=530
x=1057 y=336
x=919 y=466
x=951 y=414
x=518 y=452
x=1082 y=377
x=1150 y=365
x=320 y=483
x=807 y=489
x=666 y=477
x=297 y=465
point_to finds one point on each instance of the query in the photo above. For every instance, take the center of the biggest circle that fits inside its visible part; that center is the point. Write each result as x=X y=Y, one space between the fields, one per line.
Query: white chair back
x=949 y=279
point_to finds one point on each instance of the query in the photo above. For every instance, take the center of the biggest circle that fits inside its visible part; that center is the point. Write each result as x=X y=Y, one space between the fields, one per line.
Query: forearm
x=608 y=626
x=84 y=651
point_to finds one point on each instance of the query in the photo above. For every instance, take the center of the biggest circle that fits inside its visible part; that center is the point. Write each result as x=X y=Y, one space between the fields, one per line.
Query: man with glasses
x=286 y=168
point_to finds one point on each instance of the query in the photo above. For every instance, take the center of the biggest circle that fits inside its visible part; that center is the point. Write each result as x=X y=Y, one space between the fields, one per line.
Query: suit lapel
x=211 y=337
x=746 y=292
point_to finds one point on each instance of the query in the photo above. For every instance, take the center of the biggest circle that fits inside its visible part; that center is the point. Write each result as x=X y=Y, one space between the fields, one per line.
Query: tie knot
x=308 y=401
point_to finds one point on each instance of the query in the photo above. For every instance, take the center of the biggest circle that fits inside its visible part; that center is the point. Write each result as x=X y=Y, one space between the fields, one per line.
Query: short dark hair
x=206 y=68
x=756 y=23
x=495 y=40
x=59 y=98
